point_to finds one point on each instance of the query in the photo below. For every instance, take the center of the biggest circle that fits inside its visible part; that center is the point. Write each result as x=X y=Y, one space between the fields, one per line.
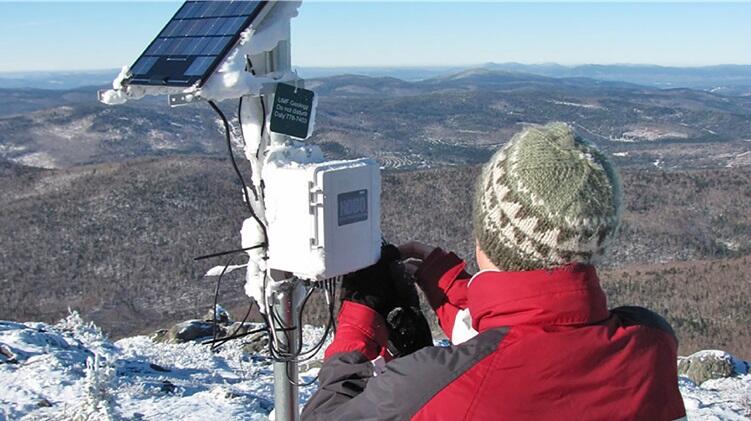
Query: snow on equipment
x=323 y=218
x=310 y=220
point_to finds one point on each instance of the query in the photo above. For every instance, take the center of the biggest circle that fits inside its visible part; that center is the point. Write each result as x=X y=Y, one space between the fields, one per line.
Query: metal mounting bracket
x=178 y=100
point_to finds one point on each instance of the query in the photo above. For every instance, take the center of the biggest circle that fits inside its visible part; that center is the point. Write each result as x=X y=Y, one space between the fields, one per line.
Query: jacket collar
x=569 y=295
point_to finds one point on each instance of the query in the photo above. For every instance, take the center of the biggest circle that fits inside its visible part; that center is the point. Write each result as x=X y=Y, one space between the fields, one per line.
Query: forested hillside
x=117 y=241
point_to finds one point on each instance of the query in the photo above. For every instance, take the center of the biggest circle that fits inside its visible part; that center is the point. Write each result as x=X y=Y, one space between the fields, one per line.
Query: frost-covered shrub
x=98 y=402
x=85 y=333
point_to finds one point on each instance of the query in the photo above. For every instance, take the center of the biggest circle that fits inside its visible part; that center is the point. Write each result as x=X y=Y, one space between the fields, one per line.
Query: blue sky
x=106 y=34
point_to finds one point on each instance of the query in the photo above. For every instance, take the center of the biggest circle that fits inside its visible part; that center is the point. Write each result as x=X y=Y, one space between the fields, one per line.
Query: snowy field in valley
x=71 y=371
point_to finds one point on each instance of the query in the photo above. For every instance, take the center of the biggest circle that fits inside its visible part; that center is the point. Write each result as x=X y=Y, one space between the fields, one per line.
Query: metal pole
x=286 y=393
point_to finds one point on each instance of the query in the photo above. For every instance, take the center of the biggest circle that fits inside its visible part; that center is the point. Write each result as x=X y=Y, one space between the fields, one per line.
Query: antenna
x=311 y=220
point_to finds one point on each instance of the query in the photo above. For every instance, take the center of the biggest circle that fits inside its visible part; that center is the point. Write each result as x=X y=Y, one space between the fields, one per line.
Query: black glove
x=409 y=331
x=385 y=288
x=374 y=286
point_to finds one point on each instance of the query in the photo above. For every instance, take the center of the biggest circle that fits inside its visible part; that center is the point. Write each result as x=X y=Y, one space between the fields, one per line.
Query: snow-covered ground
x=718 y=399
x=71 y=371
x=56 y=376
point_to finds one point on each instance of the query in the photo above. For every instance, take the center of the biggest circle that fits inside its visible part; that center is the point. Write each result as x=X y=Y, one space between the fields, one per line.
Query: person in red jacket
x=532 y=337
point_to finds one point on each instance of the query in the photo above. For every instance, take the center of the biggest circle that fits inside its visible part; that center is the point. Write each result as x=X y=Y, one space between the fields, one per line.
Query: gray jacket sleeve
x=349 y=390
x=342 y=378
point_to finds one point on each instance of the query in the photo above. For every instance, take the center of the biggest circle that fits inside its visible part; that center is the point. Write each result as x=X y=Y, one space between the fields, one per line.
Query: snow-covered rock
x=191 y=330
x=70 y=370
x=709 y=365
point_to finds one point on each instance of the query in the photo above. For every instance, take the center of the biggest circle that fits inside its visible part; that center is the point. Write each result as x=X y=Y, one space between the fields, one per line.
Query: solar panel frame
x=175 y=45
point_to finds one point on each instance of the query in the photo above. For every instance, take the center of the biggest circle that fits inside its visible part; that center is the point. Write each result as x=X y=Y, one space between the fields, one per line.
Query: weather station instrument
x=310 y=220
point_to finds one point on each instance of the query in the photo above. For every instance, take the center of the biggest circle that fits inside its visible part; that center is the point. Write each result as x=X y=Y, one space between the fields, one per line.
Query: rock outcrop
x=710 y=365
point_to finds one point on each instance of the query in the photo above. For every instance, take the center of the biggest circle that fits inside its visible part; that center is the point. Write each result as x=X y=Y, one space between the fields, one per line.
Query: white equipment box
x=324 y=218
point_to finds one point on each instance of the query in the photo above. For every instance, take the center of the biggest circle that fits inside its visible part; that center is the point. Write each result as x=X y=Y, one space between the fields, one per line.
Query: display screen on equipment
x=194 y=42
x=352 y=206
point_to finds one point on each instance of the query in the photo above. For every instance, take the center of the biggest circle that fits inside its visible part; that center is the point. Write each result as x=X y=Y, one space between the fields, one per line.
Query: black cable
x=271 y=349
x=299 y=355
x=294 y=383
x=332 y=303
x=239 y=174
x=224 y=253
x=263 y=127
x=231 y=337
x=228 y=138
x=234 y=335
x=216 y=298
x=249 y=68
x=278 y=320
x=299 y=351
x=309 y=354
x=253 y=214
x=276 y=354
x=240 y=118
x=287 y=357
x=299 y=323
x=222 y=341
x=305 y=355
x=263 y=119
x=249 y=65
x=314 y=350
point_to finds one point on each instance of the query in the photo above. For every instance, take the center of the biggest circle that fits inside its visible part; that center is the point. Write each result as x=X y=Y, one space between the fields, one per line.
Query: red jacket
x=547 y=348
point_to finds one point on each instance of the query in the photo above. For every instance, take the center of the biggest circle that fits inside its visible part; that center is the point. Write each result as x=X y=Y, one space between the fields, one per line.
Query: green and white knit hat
x=546 y=199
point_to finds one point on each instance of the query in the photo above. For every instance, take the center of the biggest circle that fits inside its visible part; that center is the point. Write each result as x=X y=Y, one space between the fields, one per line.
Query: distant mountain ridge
x=729 y=79
x=61 y=80
x=726 y=79
x=732 y=79
x=444 y=120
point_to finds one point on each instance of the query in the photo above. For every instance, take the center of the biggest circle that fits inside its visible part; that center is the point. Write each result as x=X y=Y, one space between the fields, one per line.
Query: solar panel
x=193 y=42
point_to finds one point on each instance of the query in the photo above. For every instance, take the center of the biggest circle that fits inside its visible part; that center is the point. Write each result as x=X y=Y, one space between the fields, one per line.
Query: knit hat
x=547 y=198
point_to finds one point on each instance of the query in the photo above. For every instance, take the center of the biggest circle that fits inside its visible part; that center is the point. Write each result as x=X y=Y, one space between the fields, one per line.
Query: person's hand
x=415 y=250
x=413 y=253
x=374 y=286
x=387 y=289
x=409 y=330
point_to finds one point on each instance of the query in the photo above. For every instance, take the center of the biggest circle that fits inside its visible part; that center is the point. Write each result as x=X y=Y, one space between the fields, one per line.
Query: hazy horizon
x=396 y=67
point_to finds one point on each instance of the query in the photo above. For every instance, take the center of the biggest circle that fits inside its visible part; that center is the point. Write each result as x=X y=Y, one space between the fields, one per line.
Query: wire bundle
x=273 y=324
